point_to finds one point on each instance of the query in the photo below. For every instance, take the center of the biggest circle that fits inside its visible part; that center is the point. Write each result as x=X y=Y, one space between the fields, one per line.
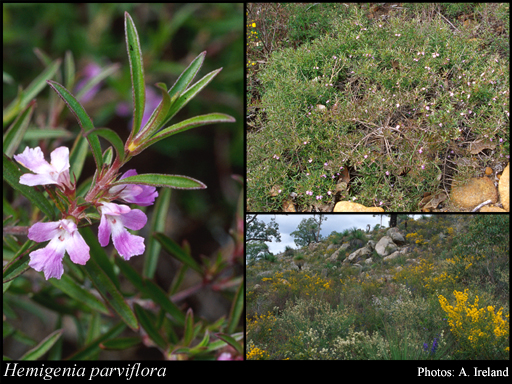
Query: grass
x=393 y=107
x=453 y=304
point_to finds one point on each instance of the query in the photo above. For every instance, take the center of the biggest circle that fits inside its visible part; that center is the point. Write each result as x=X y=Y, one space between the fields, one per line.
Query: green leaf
x=157 y=224
x=149 y=289
x=121 y=343
x=160 y=297
x=231 y=341
x=187 y=75
x=67 y=285
x=112 y=137
x=83 y=119
x=156 y=120
x=236 y=309
x=94 y=347
x=43 y=346
x=16 y=132
x=197 y=121
x=189 y=328
x=136 y=71
x=77 y=157
x=149 y=327
x=12 y=175
x=110 y=294
x=190 y=94
x=43 y=133
x=159 y=180
x=31 y=92
x=175 y=250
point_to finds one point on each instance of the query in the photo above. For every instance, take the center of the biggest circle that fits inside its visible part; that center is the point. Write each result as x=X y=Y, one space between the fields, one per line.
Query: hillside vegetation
x=448 y=298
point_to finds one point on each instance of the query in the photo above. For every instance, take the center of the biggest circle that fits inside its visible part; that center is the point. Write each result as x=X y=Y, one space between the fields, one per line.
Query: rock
x=356 y=243
x=368 y=260
x=348 y=206
x=359 y=253
x=313 y=246
x=334 y=256
x=504 y=189
x=476 y=191
x=396 y=236
x=491 y=209
x=371 y=244
x=394 y=255
x=332 y=246
x=385 y=242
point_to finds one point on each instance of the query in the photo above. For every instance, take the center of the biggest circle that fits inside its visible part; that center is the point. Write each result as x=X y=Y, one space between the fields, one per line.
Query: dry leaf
x=344 y=175
x=288 y=206
x=479 y=145
x=432 y=201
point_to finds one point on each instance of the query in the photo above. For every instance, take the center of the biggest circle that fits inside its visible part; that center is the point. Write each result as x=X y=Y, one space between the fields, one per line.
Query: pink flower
x=114 y=219
x=55 y=173
x=142 y=195
x=64 y=237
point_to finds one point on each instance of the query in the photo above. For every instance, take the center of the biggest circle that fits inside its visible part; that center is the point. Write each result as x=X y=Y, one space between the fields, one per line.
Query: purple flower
x=142 y=195
x=114 y=219
x=55 y=173
x=64 y=237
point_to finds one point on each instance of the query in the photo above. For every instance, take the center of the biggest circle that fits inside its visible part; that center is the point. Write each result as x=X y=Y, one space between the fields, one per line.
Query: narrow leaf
x=16 y=132
x=190 y=94
x=189 y=328
x=149 y=327
x=231 y=341
x=160 y=297
x=12 y=175
x=94 y=347
x=121 y=343
x=187 y=75
x=77 y=157
x=156 y=120
x=197 y=121
x=150 y=289
x=31 y=91
x=112 y=137
x=157 y=224
x=236 y=309
x=82 y=117
x=67 y=285
x=136 y=71
x=175 y=250
x=159 y=180
x=110 y=294
x=43 y=346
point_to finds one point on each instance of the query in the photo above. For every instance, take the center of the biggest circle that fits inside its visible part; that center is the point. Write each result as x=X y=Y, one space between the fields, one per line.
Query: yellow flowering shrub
x=481 y=332
x=255 y=353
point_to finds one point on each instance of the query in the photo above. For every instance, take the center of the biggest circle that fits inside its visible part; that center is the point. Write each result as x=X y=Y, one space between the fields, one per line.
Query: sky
x=338 y=223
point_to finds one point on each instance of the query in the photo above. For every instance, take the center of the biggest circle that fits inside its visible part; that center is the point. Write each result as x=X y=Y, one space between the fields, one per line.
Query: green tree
x=260 y=231
x=308 y=231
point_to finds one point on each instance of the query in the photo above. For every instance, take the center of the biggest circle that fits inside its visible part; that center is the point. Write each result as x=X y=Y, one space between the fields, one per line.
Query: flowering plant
x=107 y=199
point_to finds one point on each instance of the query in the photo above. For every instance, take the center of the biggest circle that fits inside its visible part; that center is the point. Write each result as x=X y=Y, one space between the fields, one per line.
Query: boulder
x=348 y=206
x=361 y=252
x=396 y=236
x=504 y=188
x=371 y=244
x=394 y=255
x=313 y=246
x=384 y=243
x=475 y=192
x=334 y=256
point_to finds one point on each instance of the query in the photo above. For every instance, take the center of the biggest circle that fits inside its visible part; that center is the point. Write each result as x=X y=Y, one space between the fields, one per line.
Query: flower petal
x=33 y=159
x=40 y=232
x=128 y=245
x=49 y=259
x=77 y=248
x=104 y=231
x=60 y=159
x=135 y=219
